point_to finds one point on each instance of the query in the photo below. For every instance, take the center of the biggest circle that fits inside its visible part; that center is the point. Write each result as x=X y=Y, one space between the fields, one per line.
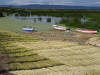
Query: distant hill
x=37 y=6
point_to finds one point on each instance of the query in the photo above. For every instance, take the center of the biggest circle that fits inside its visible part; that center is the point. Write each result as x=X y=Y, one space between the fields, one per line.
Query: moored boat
x=59 y=27
x=28 y=29
x=86 y=31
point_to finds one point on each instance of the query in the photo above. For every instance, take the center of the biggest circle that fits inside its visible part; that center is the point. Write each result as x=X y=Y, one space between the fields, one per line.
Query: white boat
x=86 y=31
x=59 y=27
x=28 y=29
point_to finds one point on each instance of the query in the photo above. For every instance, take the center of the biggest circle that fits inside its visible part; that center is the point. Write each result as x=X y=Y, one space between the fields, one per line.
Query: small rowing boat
x=59 y=27
x=86 y=31
x=28 y=29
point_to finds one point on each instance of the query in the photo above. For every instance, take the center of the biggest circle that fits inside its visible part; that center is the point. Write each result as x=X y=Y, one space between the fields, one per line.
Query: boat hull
x=87 y=31
x=59 y=27
x=28 y=29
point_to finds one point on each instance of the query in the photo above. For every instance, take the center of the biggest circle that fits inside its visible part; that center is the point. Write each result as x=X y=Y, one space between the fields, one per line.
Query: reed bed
x=79 y=59
x=41 y=45
x=34 y=65
x=21 y=54
x=32 y=58
x=49 y=57
x=21 y=58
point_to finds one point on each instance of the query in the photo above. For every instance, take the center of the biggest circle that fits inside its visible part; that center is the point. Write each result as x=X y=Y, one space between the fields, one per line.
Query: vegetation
x=21 y=58
x=79 y=59
x=33 y=65
x=32 y=58
x=1 y=15
x=39 y=18
x=75 y=59
x=10 y=24
x=49 y=20
x=73 y=16
x=21 y=54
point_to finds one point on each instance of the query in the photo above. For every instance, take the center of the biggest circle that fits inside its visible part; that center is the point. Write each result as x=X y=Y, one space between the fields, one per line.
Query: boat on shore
x=86 y=31
x=28 y=29
x=60 y=27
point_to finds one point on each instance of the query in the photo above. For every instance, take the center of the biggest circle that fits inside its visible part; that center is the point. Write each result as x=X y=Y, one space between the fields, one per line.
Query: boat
x=59 y=27
x=28 y=29
x=86 y=31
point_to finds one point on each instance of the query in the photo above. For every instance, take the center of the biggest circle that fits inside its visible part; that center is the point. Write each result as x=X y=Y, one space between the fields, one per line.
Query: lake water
x=45 y=19
x=44 y=23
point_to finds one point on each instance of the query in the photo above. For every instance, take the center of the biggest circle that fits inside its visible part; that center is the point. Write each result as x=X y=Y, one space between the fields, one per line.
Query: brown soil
x=3 y=65
x=57 y=35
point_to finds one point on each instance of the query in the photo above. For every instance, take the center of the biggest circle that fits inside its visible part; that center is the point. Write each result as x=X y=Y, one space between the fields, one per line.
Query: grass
x=17 y=51
x=33 y=65
x=13 y=48
x=7 y=23
x=32 y=58
x=79 y=59
x=21 y=58
x=21 y=54
x=48 y=45
x=9 y=45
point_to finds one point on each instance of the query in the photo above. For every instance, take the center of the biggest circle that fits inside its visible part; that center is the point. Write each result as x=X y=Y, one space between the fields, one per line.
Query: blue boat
x=28 y=29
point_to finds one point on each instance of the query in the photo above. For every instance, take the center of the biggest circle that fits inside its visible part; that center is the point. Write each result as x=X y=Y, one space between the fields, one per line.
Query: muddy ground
x=58 y=35
x=3 y=65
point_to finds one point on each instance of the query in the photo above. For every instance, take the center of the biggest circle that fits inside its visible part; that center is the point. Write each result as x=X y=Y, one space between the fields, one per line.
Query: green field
x=7 y=23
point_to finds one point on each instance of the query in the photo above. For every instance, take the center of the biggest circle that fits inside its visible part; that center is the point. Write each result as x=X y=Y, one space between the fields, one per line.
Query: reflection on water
x=45 y=19
x=39 y=19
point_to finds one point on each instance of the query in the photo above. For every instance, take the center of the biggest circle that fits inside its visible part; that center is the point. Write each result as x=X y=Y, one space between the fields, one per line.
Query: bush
x=1 y=15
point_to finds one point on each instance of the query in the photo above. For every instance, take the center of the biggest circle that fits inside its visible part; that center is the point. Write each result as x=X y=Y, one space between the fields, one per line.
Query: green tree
x=1 y=15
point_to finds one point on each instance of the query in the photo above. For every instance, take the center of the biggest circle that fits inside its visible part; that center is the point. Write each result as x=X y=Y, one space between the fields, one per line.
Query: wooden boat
x=59 y=27
x=28 y=29
x=86 y=31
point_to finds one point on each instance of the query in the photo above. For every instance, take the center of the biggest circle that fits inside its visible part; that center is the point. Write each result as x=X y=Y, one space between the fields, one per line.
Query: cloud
x=52 y=2
x=2 y=2
x=23 y=2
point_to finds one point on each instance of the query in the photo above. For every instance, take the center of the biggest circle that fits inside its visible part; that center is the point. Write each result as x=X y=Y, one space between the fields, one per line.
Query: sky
x=52 y=2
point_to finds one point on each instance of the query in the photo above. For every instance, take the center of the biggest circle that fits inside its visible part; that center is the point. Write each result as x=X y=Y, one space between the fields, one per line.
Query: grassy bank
x=78 y=59
x=21 y=58
x=7 y=23
x=28 y=55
